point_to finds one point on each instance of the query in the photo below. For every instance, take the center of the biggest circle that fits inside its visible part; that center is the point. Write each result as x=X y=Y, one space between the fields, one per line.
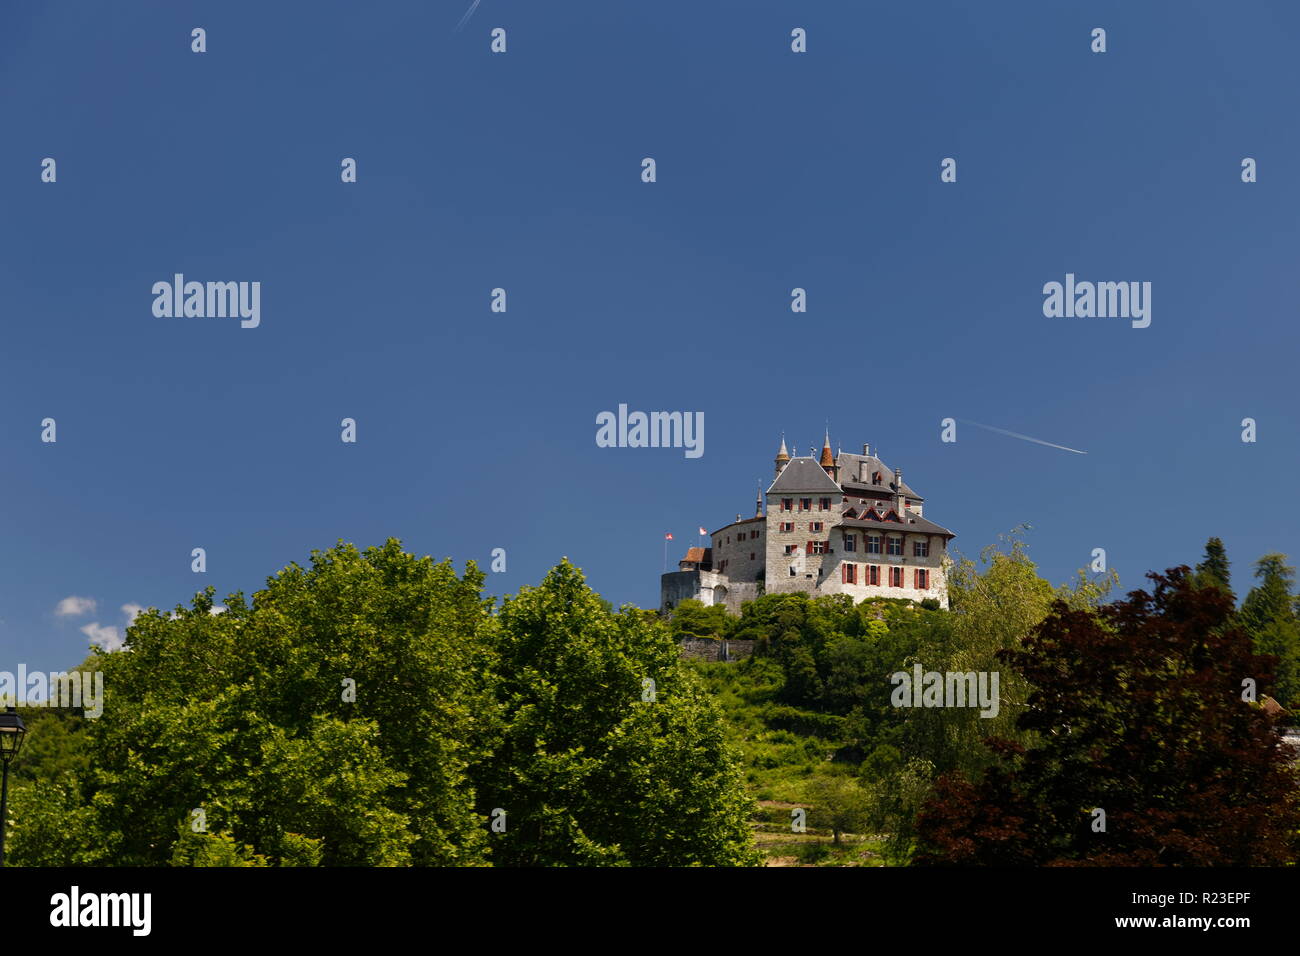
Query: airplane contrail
x=468 y=13
x=1037 y=441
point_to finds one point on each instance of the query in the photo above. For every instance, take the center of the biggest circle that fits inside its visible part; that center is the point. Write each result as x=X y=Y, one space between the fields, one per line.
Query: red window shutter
x=810 y=547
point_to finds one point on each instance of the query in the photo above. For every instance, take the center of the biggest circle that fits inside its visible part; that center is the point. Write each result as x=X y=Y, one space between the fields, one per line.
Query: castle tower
x=782 y=458
x=828 y=460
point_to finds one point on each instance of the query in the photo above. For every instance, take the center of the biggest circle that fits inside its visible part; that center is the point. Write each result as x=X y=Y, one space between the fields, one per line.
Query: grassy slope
x=780 y=764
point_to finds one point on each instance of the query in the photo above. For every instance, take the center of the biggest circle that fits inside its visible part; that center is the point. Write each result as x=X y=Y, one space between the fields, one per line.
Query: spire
x=782 y=458
x=758 y=502
x=827 y=461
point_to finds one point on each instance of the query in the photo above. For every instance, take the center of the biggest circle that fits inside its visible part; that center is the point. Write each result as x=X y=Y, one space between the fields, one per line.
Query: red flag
x=668 y=536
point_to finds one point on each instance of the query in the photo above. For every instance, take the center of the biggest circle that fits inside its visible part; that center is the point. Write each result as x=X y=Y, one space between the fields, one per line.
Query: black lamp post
x=12 y=731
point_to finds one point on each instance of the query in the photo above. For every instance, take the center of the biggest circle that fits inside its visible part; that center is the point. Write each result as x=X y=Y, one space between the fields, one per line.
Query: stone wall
x=704 y=649
x=707 y=587
x=733 y=546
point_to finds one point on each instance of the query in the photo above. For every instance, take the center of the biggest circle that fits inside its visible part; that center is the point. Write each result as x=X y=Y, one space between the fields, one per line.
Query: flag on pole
x=668 y=536
x=702 y=531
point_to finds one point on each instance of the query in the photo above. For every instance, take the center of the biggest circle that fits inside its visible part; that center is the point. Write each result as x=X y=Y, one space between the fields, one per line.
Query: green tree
x=52 y=824
x=212 y=849
x=839 y=804
x=1268 y=615
x=611 y=752
x=996 y=605
x=343 y=706
x=1213 y=569
x=693 y=620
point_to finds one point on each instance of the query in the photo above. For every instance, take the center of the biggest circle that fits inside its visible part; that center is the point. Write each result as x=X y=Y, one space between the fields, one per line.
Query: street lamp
x=12 y=732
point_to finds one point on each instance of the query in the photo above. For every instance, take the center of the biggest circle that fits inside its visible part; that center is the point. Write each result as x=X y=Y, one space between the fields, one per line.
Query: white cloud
x=73 y=606
x=132 y=611
x=216 y=609
x=107 y=637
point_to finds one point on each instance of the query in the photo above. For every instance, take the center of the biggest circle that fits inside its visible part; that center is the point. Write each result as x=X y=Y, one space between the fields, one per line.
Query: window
x=849 y=573
x=729 y=541
x=792 y=549
x=873 y=544
x=850 y=542
x=875 y=478
x=751 y=555
x=896 y=546
x=815 y=526
x=787 y=525
x=753 y=535
x=805 y=504
x=895 y=577
x=823 y=504
x=819 y=547
x=787 y=504
x=921 y=549
x=873 y=574
x=921 y=579
x=792 y=571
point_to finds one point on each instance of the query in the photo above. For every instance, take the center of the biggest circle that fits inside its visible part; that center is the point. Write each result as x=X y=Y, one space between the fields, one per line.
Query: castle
x=844 y=524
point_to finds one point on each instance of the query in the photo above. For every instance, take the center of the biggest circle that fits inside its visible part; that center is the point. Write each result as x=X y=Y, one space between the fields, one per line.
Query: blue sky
x=522 y=171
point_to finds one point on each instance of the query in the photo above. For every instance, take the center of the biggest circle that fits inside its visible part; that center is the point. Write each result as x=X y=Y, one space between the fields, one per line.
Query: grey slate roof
x=913 y=523
x=806 y=476
x=803 y=474
x=850 y=468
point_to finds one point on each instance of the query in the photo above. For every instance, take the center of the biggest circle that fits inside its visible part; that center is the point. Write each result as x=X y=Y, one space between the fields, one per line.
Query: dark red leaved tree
x=1139 y=711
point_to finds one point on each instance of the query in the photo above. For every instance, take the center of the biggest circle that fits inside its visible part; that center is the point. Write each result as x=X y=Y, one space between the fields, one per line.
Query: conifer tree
x=1269 y=616
x=1213 y=570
